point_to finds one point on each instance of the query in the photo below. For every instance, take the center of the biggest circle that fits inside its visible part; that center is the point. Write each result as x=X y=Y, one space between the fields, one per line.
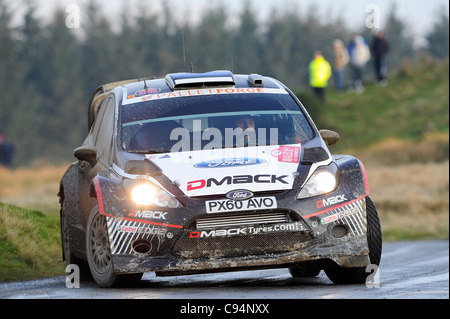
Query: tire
x=304 y=272
x=67 y=254
x=99 y=254
x=67 y=251
x=374 y=240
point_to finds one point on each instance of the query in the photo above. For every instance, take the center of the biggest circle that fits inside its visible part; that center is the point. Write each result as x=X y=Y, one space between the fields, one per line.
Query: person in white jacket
x=359 y=53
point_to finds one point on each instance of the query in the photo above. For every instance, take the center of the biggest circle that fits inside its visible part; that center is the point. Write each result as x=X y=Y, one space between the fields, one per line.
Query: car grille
x=241 y=245
x=241 y=220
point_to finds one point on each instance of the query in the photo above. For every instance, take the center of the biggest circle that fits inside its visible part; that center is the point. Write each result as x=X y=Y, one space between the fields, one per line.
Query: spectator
x=380 y=48
x=359 y=56
x=341 y=59
x=6 y=151
x=319 y=74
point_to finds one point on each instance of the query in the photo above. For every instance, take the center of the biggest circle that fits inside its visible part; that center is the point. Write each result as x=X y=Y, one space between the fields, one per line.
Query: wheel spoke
x=100 y=245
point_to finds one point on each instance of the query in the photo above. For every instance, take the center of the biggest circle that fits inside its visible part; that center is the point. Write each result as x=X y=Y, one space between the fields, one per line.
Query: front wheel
x=374 y=240
x=99 y=254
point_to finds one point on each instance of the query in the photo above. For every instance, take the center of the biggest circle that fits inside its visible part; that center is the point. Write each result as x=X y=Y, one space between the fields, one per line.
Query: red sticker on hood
x=287 y=154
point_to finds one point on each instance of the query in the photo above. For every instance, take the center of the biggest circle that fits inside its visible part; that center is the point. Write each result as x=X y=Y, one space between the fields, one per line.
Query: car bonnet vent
x=200 y=80
x=256 y=80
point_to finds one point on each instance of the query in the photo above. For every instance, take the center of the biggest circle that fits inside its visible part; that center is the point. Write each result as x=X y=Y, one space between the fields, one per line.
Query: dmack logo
x=147 y=214
x=331 y=201
x=241 y=179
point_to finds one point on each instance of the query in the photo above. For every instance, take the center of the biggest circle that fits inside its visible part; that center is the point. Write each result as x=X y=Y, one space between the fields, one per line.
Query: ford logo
x=239 y=195
x=230 y=162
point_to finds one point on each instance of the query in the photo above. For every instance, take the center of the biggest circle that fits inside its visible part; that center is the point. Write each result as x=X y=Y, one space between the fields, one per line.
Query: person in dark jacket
x=380 y=48
x=6 y=151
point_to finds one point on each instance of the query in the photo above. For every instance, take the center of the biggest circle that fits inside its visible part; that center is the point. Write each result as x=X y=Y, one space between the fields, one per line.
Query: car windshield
x=212 y=122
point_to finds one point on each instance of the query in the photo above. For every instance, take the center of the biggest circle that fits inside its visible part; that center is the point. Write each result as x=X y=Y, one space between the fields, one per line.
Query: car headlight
x=147 y=194
x=323 y=181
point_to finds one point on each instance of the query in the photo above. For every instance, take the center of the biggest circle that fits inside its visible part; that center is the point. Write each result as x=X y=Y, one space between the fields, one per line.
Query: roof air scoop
x=256 y=80
x=200 y=80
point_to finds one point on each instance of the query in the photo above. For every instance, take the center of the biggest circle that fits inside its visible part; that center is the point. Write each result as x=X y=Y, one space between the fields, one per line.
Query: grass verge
x=29 y=244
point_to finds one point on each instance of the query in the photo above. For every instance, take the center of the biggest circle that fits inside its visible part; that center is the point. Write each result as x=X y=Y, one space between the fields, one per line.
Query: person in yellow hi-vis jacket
x=319 y=74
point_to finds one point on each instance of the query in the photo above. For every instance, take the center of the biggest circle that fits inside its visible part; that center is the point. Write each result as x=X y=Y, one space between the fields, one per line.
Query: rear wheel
x=374 y=240
x=99 y=254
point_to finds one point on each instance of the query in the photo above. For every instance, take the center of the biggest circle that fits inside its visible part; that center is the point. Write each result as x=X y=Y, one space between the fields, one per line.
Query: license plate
x=228 y=205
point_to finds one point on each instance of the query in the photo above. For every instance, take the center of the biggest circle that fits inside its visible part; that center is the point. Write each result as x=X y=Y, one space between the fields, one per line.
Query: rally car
x=213 y=172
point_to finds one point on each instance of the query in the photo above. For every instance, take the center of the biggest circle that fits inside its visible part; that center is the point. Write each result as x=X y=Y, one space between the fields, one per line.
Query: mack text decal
x=243 y=231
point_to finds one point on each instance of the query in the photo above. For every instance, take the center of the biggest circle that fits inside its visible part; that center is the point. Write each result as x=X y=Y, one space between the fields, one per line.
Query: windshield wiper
x=151 y=151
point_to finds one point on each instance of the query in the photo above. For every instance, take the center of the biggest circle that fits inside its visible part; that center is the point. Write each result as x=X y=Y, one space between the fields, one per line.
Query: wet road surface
x=409 y=270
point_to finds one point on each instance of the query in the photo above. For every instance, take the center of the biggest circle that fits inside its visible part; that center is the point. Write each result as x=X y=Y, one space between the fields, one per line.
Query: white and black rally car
x=213 y=172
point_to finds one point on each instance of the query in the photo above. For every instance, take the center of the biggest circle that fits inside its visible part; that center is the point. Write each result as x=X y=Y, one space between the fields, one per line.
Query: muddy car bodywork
x=221 y=209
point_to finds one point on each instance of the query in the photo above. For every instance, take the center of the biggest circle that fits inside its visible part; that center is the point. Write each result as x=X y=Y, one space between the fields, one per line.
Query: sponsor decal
x=144 y=92
x=331 y=201
x=235 y=180
x=201 y=92
x=332 y=218
x=287 y=154
x=222 y=206
x=243 y=231
x=148 y=214
x=153 y=230
x=240 y=194
x=150 y=157
x=126 y=229
x=230 y=162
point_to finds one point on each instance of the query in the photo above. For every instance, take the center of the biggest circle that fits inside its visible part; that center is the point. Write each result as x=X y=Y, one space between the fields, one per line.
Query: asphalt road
x=409 y=270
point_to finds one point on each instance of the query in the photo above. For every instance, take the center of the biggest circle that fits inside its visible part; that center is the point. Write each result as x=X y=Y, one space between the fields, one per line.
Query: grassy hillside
x=29 y=224
x=413 y=105
x=29 y=244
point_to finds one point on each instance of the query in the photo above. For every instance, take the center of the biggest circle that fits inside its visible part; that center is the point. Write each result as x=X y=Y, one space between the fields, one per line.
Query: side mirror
x=86 y=153
x=330 y=137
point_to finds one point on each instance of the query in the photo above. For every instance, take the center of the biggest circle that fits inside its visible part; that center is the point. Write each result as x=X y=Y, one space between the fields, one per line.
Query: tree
x=13 y=73
x=438 y=37
x=247 y=47
x=9 y=62
x=31 y=50
x=66 y=105
x=148 y=41
x=401 y=43
x=99 y=49
x=212 y=45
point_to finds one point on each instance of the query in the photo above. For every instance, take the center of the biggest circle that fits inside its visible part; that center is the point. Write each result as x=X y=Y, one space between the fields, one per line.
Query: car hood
x=214 y=172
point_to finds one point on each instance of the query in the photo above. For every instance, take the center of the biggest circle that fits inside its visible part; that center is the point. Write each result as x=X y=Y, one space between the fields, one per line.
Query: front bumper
x=342 y=255
x=337 y=237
